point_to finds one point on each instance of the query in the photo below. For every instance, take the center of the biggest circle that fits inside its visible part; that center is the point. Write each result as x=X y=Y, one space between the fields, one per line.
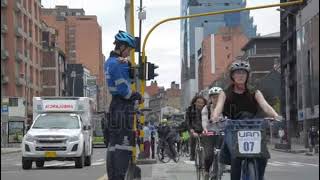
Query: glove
x=136 y=96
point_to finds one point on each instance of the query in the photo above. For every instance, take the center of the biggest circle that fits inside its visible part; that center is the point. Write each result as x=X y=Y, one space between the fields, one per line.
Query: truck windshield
x=57 y=121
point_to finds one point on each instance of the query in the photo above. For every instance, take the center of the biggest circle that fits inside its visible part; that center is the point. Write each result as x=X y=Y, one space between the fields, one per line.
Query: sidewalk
x=10 y=150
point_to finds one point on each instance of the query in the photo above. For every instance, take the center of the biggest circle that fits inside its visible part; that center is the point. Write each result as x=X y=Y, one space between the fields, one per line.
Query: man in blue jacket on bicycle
x=121 y=111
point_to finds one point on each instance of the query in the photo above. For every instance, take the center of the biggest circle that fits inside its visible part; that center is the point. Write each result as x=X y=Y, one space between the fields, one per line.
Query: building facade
x=218 y=51
x=307 y=40
x=78 y=77
x=300 y=66
x=21 y=50
x=54 y=67
x=80 y=37
x=173 y=96
x=193 y=31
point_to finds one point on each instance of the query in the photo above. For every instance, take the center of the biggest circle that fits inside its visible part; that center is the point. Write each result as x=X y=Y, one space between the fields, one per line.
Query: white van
x=61 y=130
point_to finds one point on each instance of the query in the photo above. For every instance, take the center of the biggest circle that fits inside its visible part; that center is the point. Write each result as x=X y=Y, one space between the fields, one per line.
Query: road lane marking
x=97 y=163
x=275 y=164
x=308 y=164
x=104 y=177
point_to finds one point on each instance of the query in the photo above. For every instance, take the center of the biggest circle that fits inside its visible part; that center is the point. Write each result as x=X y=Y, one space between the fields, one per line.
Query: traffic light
x=151 y=68
x=142 y=71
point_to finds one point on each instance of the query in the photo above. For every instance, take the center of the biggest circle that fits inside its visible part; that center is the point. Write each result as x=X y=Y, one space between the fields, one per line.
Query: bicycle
x=164 y=154
x=199 y=159
x=216 y=169
x=185 y=149
x=246 y=139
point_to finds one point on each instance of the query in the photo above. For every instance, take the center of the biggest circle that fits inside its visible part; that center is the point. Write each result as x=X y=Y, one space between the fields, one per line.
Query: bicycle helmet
x=215 y=90
x=125 y=38
x=239 y=65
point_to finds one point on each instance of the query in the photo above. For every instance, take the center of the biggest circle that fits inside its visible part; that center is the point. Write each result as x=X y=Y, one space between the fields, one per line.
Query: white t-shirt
x=147 y=133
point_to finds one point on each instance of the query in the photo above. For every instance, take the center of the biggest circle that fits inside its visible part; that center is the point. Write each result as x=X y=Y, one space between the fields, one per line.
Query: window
x=13 y=102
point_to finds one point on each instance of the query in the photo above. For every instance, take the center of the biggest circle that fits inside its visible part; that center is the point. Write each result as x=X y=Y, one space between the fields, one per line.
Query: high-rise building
x=193 y=30
x=80 y=37
x=21 y=50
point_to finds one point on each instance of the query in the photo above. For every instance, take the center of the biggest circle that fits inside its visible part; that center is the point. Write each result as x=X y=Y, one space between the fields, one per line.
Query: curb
x=146 y=161
x=10 y=152
x=290 y=151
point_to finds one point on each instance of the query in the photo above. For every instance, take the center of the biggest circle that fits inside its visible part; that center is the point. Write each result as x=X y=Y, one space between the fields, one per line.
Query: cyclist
x=237 y=99
x=193 y=121
x=166 y=134
x=119 y=127
x=213 y=141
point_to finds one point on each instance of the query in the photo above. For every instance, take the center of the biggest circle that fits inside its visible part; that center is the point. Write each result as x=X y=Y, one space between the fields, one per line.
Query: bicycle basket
x=246 y=138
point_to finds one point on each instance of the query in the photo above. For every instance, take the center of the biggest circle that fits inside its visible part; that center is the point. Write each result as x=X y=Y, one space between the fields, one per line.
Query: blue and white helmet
x=126 y=38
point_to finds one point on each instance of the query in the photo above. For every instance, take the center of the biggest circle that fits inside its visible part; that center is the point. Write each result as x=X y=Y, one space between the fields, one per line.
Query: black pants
x=236 y=168
x=120 y=137
x=152 y=147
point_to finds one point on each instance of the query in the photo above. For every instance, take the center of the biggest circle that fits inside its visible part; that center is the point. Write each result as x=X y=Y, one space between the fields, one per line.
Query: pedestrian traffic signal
x=151 y=73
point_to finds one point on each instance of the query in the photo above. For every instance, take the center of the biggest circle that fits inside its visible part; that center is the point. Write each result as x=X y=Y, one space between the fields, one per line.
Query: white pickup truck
x=61 y=130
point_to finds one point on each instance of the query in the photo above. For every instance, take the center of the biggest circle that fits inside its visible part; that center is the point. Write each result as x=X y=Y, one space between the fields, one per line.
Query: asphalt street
x=284 y=166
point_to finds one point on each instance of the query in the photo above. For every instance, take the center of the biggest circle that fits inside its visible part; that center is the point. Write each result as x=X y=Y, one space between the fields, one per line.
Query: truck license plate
x=50 y=154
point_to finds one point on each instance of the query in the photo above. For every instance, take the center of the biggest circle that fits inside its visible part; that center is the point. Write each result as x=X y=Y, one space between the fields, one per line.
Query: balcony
x=4 y=28
x=19 y=57
x=4 y=3
x=19 y=32
x=4 y=54
x=4 y=79
x=20 y=81
x=18 y=6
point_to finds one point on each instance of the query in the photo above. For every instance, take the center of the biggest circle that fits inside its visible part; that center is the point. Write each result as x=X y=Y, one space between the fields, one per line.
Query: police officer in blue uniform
x=119 y=127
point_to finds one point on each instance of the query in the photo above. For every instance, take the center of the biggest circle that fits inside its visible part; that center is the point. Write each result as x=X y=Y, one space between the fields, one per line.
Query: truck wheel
x=26 y=164
x=40 y=163
x=87 y=161
x=79 y=162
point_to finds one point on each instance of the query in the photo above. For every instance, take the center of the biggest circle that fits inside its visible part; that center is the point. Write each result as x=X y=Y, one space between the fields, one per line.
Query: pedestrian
x=281 y=135
x=194 y=122
x=120 y=124
x=146 y=140
x=313 y=137
x=153 y=143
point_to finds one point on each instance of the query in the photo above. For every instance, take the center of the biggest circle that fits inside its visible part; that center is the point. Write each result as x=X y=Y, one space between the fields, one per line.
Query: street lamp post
x=73 y=75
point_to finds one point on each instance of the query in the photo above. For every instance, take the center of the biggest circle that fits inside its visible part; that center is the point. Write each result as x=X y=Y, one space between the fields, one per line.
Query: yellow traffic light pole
x=296 y=2
x=134 y=84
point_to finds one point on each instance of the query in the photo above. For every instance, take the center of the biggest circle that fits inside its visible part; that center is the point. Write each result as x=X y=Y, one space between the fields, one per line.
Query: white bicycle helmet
x=240 y=65
x=215 y=90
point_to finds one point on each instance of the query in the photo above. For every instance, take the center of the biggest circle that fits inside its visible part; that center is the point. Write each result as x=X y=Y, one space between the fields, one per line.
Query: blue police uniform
x=119 y=127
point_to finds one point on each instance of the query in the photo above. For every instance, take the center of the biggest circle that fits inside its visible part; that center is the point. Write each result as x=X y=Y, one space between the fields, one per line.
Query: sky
x=163 y=47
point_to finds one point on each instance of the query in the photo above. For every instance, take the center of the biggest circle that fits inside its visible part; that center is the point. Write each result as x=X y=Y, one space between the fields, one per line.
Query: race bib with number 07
x=249 y=142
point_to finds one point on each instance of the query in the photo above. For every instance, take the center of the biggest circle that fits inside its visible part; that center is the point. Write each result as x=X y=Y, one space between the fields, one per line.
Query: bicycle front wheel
x=199 y=163
x=249 y=170
x=162 y=155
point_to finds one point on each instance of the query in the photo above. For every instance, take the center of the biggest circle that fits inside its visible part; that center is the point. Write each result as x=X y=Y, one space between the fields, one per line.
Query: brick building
x=54 y=67
x=218 y=51
x=80 y=37
x=21 y=50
